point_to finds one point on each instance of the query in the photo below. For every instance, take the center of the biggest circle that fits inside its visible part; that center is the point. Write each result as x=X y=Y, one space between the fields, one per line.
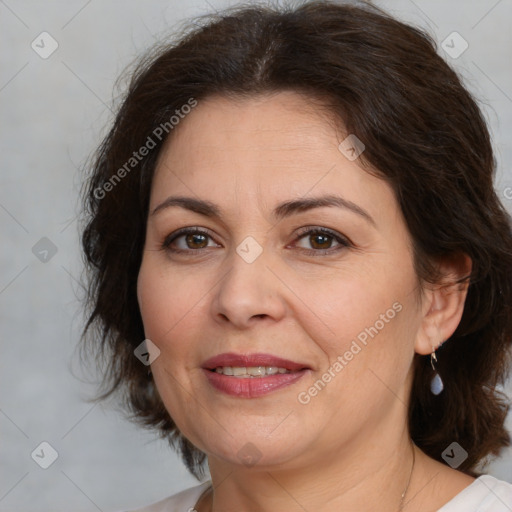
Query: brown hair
x=423 y=133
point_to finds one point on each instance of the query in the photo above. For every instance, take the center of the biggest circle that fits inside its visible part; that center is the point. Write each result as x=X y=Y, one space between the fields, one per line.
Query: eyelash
x=303 y=232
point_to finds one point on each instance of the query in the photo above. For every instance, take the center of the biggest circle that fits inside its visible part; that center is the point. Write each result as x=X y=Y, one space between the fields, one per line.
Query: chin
x=254 y=449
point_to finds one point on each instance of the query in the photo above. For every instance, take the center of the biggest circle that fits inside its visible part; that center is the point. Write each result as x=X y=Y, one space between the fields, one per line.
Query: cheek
x=172 y=306
x=348 y=305
x=158 y=302
x=368 y=327
x=166 y=311
x=151 y=297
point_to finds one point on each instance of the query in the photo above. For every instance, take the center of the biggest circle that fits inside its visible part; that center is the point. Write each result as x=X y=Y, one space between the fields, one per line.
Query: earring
x=436 y=384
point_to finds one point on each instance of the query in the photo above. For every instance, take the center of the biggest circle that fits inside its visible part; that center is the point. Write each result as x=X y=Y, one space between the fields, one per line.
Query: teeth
x=256 y=371
x=251 y=371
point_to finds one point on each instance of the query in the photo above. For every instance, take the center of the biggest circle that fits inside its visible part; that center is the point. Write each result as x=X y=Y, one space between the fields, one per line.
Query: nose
x=249 y=292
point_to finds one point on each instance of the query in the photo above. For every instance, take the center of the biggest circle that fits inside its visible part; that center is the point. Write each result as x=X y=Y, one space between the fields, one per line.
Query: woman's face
x=316 y=299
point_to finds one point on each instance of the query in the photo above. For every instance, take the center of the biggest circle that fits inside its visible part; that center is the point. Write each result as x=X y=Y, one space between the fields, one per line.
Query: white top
x=485 y=494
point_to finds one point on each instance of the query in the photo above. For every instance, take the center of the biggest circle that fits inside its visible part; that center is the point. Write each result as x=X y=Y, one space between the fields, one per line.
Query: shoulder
x=184 y=501
x=485 y=494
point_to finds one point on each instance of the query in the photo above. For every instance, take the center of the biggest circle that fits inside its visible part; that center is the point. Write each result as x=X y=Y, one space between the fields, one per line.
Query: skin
x=348 y=448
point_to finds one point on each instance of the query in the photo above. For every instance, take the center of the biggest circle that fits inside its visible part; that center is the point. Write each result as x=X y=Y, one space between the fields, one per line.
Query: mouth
x=253 y=375
x=248 y=372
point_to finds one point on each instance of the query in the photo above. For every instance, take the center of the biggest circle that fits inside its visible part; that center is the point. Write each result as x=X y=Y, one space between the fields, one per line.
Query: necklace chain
x=401 y=507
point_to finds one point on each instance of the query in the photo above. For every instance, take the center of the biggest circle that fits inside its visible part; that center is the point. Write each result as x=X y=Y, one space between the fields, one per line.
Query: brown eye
x=188 y=240
x=196 y=240
x=318 y=241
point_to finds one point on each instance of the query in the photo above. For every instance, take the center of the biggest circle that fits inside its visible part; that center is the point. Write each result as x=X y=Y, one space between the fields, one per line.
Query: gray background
x=54 y=111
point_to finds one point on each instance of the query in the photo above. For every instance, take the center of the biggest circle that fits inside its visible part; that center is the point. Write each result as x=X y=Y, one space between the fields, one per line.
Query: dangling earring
x=436 y=384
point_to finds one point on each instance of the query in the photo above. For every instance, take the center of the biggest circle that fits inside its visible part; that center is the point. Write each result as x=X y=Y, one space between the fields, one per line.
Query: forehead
x=266 y=146
x=276 y=123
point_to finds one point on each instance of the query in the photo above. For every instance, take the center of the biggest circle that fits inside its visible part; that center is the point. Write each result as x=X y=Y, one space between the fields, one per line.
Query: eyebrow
x=281 y=211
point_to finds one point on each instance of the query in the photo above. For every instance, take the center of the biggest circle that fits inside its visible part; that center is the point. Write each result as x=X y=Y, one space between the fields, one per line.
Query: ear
x=443 y=304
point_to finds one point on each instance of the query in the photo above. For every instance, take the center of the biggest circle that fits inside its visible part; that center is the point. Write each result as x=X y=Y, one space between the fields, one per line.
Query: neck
x=372 y=477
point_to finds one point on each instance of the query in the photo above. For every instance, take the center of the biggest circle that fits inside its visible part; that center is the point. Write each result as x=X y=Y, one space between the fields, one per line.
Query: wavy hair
x=424 y=134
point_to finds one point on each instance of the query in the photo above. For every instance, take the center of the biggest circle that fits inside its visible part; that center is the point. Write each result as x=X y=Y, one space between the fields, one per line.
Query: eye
x=321 y=241
x=188 y=240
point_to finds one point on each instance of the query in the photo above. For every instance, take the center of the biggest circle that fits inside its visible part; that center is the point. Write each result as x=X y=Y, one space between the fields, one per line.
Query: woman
x=293 y=222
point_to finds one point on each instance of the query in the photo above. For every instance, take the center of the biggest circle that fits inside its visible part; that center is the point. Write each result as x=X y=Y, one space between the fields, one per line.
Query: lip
x=245 y=360
x=252 y=387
